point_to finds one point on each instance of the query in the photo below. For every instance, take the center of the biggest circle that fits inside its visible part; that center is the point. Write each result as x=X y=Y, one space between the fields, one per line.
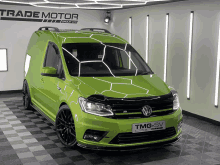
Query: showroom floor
x=28 y=138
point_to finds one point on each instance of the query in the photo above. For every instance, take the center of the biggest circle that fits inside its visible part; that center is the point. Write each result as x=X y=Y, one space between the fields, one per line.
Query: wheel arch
x=73 y=108
x=30 y=89
x=65 y=103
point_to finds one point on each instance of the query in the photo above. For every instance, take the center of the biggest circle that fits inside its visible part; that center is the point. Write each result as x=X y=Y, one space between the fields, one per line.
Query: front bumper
x=132 y=148
x=116 y=126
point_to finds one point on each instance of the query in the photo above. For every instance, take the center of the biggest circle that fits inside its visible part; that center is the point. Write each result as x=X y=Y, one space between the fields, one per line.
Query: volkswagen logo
x=146 y=110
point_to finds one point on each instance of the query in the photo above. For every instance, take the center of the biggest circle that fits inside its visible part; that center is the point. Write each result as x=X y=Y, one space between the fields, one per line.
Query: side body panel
x=44 y=90
x=31 y=52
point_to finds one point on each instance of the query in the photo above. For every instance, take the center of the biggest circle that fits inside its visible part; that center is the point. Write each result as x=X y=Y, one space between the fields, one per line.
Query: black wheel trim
x=25 y=97
x=65 y=127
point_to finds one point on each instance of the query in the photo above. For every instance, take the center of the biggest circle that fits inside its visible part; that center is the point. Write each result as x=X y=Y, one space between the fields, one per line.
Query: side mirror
x=49 y=71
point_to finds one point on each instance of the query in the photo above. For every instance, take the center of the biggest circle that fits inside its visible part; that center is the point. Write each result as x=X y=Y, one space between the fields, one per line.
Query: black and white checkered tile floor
x=26 y=137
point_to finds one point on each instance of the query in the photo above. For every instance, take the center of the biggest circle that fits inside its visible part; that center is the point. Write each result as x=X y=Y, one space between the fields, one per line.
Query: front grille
x=131 y=107
x=140 y=115
x=128 y=138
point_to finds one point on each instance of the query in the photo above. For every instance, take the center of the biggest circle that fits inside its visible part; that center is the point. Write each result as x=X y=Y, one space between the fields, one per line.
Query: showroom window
x=3 y=60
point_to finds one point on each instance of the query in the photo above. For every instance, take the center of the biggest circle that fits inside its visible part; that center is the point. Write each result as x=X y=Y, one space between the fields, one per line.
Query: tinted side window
x=72 y=64
x=52 y=56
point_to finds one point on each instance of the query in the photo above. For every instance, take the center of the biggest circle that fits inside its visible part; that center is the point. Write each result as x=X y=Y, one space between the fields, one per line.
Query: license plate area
x=149 y=126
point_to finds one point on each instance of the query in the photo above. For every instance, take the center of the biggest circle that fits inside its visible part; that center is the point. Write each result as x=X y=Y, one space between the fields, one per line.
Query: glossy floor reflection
x=26 y=137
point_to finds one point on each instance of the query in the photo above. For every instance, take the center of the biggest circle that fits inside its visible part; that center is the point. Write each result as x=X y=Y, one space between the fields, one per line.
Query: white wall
x=204 y=47
x=15 y=35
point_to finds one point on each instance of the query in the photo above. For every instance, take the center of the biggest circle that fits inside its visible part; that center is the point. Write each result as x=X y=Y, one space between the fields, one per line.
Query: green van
x=98 y=91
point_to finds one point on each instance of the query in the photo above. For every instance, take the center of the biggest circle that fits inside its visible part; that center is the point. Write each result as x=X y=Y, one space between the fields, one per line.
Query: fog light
x=180 y=126
x=94 y=135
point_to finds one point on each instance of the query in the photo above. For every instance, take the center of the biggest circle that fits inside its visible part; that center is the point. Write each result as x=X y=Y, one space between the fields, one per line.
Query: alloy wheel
x=65 y=127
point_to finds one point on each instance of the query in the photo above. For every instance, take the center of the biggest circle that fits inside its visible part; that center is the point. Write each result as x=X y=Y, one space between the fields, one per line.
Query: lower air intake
x=128 y=138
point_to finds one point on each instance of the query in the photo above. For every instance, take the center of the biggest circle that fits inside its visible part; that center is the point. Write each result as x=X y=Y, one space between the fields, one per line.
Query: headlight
x=176 y=103
x=95 y=108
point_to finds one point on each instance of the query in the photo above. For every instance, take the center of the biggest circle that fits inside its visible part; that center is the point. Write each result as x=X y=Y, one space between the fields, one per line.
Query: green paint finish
x=49 y=70
x=46 y=95
x=79 y=40
x=128 y=113
x=126 y=86
x=108 y=39
x=163 y=110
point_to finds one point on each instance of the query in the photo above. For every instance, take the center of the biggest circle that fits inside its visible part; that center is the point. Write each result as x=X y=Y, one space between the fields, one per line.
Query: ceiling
x=86 y=4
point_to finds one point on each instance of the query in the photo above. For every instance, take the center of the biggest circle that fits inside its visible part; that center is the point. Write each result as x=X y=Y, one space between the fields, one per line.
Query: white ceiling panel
x=87 y=4
x=23 y=1
x=71 y=1
x=99 y=6
x=123 y=2
x=52 y=5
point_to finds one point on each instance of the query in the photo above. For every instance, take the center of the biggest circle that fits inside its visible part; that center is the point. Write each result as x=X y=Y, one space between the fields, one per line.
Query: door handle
x=42 y=80
x=58 y=88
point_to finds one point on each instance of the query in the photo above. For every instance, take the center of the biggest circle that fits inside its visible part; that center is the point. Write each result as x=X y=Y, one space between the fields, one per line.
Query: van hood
x=122 y=86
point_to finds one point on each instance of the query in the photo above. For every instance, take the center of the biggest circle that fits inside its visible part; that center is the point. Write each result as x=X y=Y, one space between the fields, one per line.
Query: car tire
x=65 y=127
x=26 y=97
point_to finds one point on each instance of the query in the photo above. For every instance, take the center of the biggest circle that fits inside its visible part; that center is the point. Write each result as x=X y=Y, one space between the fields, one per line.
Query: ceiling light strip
x=15 y=2
x=130 y=39
x=130 y=27
x=217 y=71
x=114 y=5
x=54 y=7
x=147 y=38
x=189 y=54
x=166 y=45
x=128 y=4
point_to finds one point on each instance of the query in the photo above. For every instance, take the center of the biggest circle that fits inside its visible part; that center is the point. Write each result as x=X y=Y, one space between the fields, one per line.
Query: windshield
x=103 y=59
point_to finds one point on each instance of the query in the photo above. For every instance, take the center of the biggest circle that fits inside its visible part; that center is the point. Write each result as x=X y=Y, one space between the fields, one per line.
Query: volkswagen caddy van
x=98 y=91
